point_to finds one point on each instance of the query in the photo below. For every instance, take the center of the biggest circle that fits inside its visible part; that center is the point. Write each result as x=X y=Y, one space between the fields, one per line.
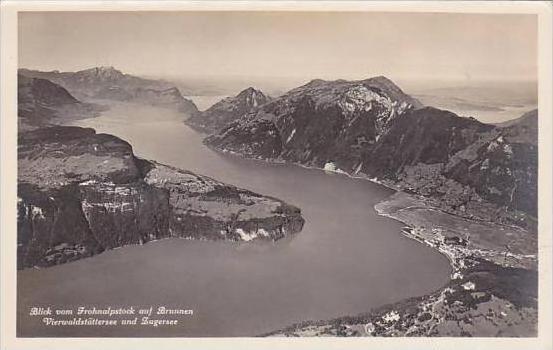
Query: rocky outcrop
x=111 y=84
x=371 y=129
x=228 y=110
x=80 y=193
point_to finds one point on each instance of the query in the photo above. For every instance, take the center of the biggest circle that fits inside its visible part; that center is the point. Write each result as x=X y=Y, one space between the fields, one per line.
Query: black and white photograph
x=278 y=173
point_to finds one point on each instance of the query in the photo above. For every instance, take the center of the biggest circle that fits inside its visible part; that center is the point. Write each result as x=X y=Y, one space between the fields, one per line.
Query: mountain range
x=228 y=110
x=41 y=102
x=367 y=128
x=371 y=128
x=108 y=83
x=81 y=193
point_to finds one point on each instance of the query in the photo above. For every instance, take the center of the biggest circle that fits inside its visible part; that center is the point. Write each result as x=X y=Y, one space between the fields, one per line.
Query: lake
x=347 y=259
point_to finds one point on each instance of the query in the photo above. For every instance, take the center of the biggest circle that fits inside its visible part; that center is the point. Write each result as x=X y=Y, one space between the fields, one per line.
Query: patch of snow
x=468 y=286
x=246 y=236
x=108 y=206
x=361 y=98
x=263 y=232
x=86 y=183
x=291 y=136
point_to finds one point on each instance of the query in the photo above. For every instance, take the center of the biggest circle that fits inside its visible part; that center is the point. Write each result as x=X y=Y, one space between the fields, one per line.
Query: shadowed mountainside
x=111 y=84
x=370 y=128
x=41 y=102
x=80 y=193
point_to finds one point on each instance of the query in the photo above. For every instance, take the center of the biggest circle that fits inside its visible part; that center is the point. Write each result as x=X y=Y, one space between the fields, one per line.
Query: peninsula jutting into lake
x=332 y=207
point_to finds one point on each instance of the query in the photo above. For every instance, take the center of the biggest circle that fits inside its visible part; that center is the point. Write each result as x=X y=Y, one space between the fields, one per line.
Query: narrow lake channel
x=347 y=259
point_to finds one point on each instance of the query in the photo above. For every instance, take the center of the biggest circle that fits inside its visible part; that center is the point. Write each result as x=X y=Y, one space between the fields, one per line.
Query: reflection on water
x=346 y=260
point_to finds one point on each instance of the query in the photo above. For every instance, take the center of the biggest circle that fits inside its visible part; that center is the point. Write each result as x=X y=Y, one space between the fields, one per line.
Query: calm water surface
x=346 y=260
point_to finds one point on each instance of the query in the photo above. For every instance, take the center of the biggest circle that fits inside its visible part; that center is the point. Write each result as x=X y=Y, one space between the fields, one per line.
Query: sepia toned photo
x=277 y=173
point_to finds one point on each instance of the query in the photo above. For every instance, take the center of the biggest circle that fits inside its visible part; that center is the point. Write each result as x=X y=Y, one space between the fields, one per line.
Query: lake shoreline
x=344 y=326
x=104 y=127
x=419 y=229
x=386 y=320
x=411 y=316
x=460 y=261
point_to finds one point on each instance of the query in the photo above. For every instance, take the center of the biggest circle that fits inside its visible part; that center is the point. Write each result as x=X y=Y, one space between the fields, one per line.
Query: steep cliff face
x=111 y=84
x=371 y=128
x=228 y=110
x=80 y=193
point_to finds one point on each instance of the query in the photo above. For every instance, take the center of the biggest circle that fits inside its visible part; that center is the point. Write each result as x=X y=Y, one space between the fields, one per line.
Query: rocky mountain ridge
x=371 y=129
x=228 y=110
x=466 y=189
x=311 y=122
x=108 y=83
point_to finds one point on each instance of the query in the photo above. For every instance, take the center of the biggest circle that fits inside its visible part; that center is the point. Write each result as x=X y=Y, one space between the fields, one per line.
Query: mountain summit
x=228 y=110
x=318 y=121
x=104 y=73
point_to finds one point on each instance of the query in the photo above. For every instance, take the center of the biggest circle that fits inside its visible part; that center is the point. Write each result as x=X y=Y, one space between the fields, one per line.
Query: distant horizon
x=280 y=77
x=464 y=97
x=285 y=83
x=289 y=45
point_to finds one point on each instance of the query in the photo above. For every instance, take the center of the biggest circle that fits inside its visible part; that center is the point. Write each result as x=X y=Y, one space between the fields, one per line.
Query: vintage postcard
x=276 y=175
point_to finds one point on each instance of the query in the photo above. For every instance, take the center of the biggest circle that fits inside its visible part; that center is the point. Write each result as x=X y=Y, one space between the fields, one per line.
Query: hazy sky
x=284 y=44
